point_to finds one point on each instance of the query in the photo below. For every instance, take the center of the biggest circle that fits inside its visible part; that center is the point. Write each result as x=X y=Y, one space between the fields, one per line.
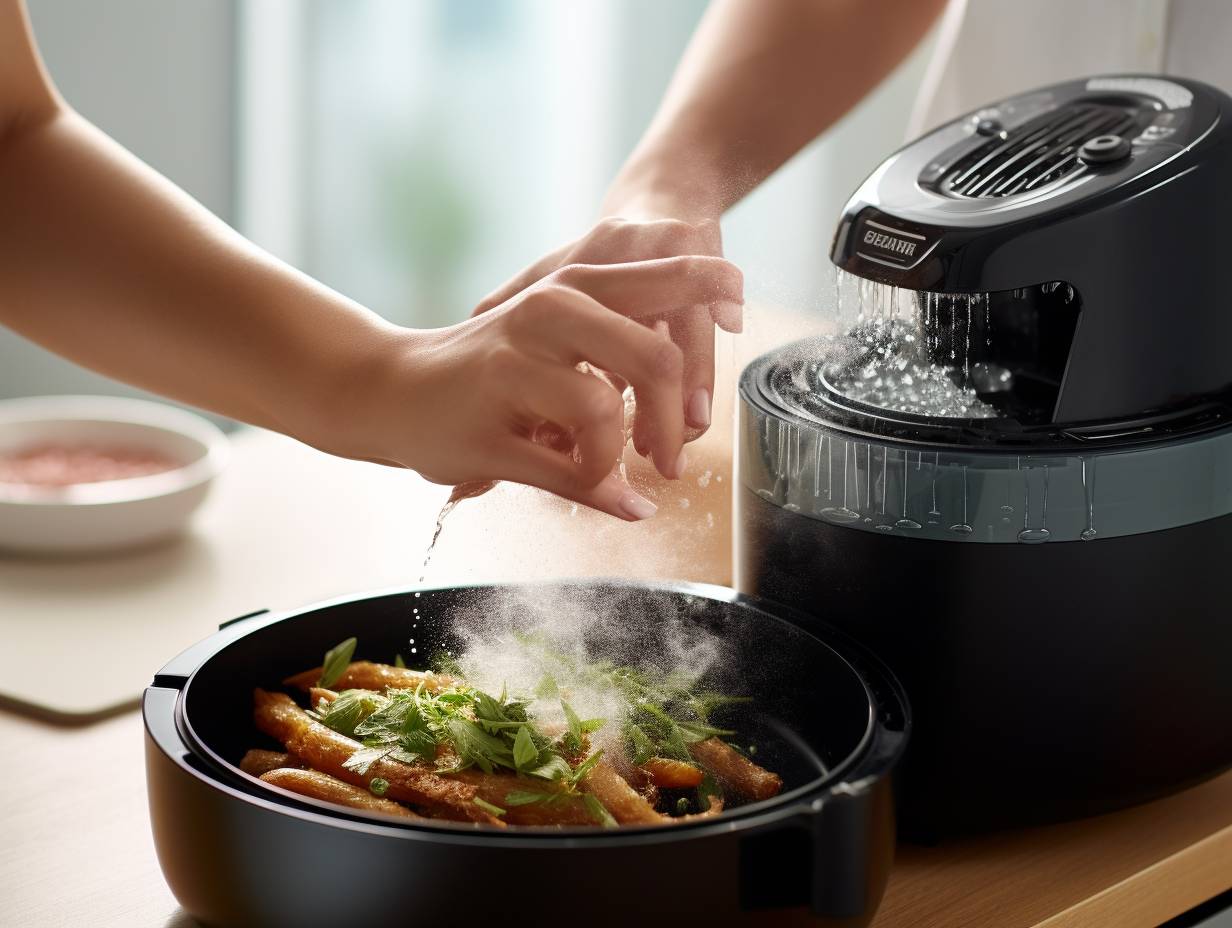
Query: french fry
x=556 y=808
x=667 y=773
x=443 y=795
x=365 y=675
x=319 y=785
x=734 y=771
x=324 y=749
x=257 y=761
x=626 y=804
x=318 y=695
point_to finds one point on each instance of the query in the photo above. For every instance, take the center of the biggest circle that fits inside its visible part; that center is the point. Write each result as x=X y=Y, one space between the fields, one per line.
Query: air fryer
x=1008 y=470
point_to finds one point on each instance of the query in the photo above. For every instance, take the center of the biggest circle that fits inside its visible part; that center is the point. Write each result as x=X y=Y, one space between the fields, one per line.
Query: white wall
x=157 y=75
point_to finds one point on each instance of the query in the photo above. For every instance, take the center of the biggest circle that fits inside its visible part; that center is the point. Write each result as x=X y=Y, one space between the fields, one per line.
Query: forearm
x=110 y=265
x=759 y=81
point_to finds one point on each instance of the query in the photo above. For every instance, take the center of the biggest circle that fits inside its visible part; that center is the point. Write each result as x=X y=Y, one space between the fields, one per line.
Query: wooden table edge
x=1168 y=888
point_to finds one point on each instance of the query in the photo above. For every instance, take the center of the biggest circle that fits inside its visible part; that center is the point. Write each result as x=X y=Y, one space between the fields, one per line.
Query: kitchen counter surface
x=77 y=849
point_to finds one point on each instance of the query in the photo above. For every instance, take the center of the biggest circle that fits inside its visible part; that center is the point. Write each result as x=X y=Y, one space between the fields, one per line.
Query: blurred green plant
x=428 y=220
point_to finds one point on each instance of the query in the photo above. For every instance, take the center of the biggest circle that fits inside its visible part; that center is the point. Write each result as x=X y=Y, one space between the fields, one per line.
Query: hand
x=501 y=397
x=691 y=328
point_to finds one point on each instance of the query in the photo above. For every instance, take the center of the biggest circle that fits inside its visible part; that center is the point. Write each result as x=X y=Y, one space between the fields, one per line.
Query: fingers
x=693 y=330
x=648 y=288
x=539 y=466
x=572 y=327
x=616 y=241
x=590 y=409
x=523 y=279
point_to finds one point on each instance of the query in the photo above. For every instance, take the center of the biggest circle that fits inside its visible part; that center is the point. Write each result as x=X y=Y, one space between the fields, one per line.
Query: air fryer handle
x=852 y=830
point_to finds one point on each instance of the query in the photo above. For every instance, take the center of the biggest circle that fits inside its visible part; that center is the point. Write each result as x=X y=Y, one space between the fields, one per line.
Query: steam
x=525 y=639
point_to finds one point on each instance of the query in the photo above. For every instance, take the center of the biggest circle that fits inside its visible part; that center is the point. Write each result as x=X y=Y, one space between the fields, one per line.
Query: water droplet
x=1087 y=534
x=908 y=524
x=961 y=529
x=417 y=595
x=839 y=514
x=885 y=528
x=1034 y=536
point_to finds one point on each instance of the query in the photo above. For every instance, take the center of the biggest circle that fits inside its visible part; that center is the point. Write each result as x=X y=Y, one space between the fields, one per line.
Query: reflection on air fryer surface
x=648 y=746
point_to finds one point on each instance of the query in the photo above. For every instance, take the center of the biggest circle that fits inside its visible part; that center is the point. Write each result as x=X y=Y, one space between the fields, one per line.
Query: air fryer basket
x=826 y=716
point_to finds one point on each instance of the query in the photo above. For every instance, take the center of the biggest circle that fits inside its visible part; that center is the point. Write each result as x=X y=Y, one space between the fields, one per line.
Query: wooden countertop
x=78 y=849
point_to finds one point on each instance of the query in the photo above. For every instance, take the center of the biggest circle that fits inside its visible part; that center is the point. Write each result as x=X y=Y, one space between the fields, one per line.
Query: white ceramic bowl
x=110 y=513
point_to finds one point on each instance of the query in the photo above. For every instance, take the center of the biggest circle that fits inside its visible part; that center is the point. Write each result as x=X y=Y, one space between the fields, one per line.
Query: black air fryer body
x=1009 y=472
x=237 y=853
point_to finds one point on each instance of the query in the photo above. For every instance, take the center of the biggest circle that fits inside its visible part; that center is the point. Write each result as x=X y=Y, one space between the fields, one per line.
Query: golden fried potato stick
x=734 y=771
x=257 y=761
x=319 y=785
x=666 y=773
x=324 y=749
x=556 y=808
x=365 y=675
x=626 y=804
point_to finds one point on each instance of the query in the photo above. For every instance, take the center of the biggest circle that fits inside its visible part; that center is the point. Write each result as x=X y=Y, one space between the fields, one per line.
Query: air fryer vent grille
x=1036 y=153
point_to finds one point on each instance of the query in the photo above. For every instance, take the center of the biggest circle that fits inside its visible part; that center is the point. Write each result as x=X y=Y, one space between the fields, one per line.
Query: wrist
x=358 y=395
x=648 y=189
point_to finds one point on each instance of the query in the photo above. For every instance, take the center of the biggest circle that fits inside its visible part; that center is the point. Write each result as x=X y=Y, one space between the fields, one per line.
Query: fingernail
x=682 y=461
x=699 y=408
x=728 y=316
x=635 y=506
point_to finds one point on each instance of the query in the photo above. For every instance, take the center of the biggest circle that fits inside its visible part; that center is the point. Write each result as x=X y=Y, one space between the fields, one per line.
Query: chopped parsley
x=337 y=659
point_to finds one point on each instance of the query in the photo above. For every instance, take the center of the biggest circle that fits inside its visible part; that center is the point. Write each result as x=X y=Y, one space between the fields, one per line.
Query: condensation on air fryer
x=911 y=352
x=917 y=492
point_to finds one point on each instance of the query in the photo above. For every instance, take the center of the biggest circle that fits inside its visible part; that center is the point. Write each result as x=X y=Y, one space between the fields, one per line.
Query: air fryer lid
x=826 y=716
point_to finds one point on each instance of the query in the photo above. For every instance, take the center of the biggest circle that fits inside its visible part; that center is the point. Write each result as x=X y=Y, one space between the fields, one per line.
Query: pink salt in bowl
x=94 y=473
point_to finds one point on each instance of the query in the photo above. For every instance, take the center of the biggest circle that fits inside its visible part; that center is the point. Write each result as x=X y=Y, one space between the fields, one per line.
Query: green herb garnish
x=524 y=749
x=348 y=710
x=379 y=786
x=459 y=727
x=336 y=661
x=598 y=811
x=488 y=807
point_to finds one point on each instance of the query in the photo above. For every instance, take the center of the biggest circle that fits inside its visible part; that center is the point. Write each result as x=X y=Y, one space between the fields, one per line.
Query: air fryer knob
x=1104 y=149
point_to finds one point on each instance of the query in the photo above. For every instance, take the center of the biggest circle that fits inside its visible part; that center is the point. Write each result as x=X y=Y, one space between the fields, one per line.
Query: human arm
x=109 y=264
x=759 y=80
